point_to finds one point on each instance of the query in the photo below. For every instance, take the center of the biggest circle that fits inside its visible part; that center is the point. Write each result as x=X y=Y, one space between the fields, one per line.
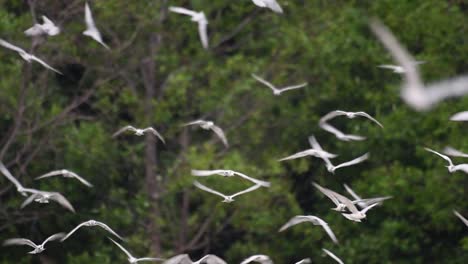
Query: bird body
x=45 y=197
x=46 y=28
x=209 y=125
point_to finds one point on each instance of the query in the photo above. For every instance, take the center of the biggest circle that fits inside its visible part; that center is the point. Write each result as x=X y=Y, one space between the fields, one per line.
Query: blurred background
x=156 y=73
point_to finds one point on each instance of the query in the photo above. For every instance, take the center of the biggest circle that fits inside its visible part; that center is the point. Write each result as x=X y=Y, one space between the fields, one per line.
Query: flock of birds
x=414 y=93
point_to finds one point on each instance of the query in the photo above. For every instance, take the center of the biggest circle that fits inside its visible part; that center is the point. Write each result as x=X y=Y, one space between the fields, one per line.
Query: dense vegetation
x=157 y=74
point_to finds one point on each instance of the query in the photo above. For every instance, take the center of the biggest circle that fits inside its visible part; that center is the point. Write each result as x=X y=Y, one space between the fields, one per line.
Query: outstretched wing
x=54 y=237
x=259 y=182
x=328 y=193
x=297 y=220
x=82 y=180
x=203 y=33
x=181 y=10
x=122 y=248
x=331 y=115
x=196 y=122
x=203 y=173
x=123 y=129
x=454 y=152
x=219 y=132
x=149 y=259
x=89 y=18
x=28 y=200
x=45 y=64
x=440 y=155
x=73 y=231
x=366 y=115
x=108 y=229
x=179 y=259
x=211 y=259
x=59 y=198
x=461 y=116
x=11 y=46
x=292 y=87
x=351 y=192
x=19 y=241
x=273 y=5
x=389 y=66
x=253 y=188
x=464 y=220
x=354 y=161
x=268 y=84
x=156 y=133
x=304 y=261
x=10 y=177
x=50 y=174
x=206 y=189
x=333 y=256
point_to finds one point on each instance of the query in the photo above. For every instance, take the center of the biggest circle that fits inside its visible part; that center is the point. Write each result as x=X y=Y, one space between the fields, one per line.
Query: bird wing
x=259 y=182
x=45 y=64
x=122 y=248
x=54 y=237
x=327 y=127
x=354 y=161
x=441 y=90
x=11 y=46
x=196 y=122
x=454 y=152
x=330 y=233
x=440 y=155
x=353 y=137
x=296 y=155
x=249 y=259
x=89 y=18
x=366 y=115
x=347 y=202
x=461 y=167
x=181 y=10
x=253 y=188
x=461 y=116
x=292 y=87
x=371 y=201
x=73 y=231
x=202 y=173
x=304 y=261
x=35 y=30
x=203 y=33
x=50 y=174
x=206 y=189
x=271 y=86
x=19 y=241
x=461 y=217
x=108 y=229
x=47 y=21
x=155 y=132
x=219 y=132
x=10 y=177
x=28 y=200
x=259 y=3
x=263 y=259
x=333 y=256
x=368 y=208
x=389 y=66
x=211 y=259
x=328 y=193
x=351 y=192
x=179 y=259
x=59 y=198
x=315 y=145
x=82 y=180
x=331 y=115
x=273 y=5
x=149 y=259
x=297 y=220
x=123 y=129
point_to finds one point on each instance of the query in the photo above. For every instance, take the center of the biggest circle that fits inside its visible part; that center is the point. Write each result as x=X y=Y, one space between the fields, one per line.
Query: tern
x=37 y=248
x=340 y=135
x=397 y=68
x=91 y=29
x=227 y=198
x=451 y=168
x=314 y=220
x=333 y=256
x=316 y=152
x=26 y=56
x=414 y=92
x=45 y=197
x=363 y=203
x=464 y=220
x=340 y=207
x=262 y=259
x=65 y=174
x=92 y=223
x=278 y=91
x=228 y=173
x=304 y=261
x=350 y=115
x=454 y=152
x=185 y=259
x=460 y=116
x=271 y=4
x=198 y=17
x=139 y=132
x=46 y=28
x=132 y=259
x=209 y=125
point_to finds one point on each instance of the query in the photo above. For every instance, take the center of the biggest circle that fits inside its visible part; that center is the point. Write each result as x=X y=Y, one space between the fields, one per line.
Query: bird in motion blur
x=414 y=92
x=271 y=4
x=316 y=152
x=332 y=256
x=312 y=219
x=262 y=259
x=304 y=261
x=209 y=125
x=139 y=132
x=227 y=198
x=397 y=68
x=45 y=197
x=91 y=29
x=454 y=152
x=27 y=56
x=37 y=248
x=363 y=203
x=464 y=220
x=228 y=173
x=451 y=167
x=132 y=259
x=92 y=223
x=460 y=116
x=350 y=115
x=278 y=91
x=65 y=174
x=198 y=17
x=185 y=259
x=46 y=28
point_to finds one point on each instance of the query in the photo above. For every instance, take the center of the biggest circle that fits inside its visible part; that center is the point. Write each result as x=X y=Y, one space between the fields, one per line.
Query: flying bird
x=271 y=4
x=278 y=91
x=139 y=132
x=340 y=135
x=27 y=242
x=350 y=115
x=314 y=220
x=304 y=261
x=185 y=259
x=91 y=29
x=45 y=197
x=65 y=174
x=340 y=207
x=397 y=68
x=262 y=259
x=92 y=223
x=26 y=56
x=198 y=17
x=363 y=203
x=333 y=256
x=414 y=92
x=454 y=152
x=209 y=125
x=132 y=259
x=451 y=167
x=227 y=198
x=228 y=173
x=460 y=116
x=316 y=152
x=464 y=220
x=46 y=28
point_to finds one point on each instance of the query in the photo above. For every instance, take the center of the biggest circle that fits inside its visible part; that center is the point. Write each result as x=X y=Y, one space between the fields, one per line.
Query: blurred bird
x=363 y=203
x=228 y=173
x=65 y=174
x=454 y=152
x=132 y=259
x=451 y=168
x=316 y=152
x=92 y=223
x=45 y=197
x=333 y=256
x=340 y=207
x=91 y=29
x=460 y=116
x=26 y=56
x=198 y=17
x=209 y=125
x=46 y=28
x=27 y=242
x=309 y=218
x=278 y=91
x=262 y=259
x=350 y=115
x=271 y=4
x=304 y=261
x=464 y=220
x=340 y=135
x=396 y=68
x=227 y=198
x=139 y=132
x=185 y=259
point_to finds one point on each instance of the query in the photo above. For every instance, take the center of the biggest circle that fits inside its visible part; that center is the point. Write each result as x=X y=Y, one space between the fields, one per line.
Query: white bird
x=309 y=152
x=278 y=91
x=37 y=248
x=304 y=261
x=92 y=223
x=262 y=259
x=460 y=116
x=19 y=187
x=45 y=197
x=46 y=28
x=314 y=220
x=454 y=152
x=363 y=203
x=350 y=115
x=333 y=256
x=227 y=198
x=185 y=259
x=397 y=68
x=26 y=56
x=464 y=220
x=91 y=29
x=65 y=174
x=198 y=17
x=271 y=4
x=417 y=95
x=132 y=259
x=209 y=125
x=340 y=135
x=139 y=132
x=451 y=167
x=228 y=173
x=340 y=207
